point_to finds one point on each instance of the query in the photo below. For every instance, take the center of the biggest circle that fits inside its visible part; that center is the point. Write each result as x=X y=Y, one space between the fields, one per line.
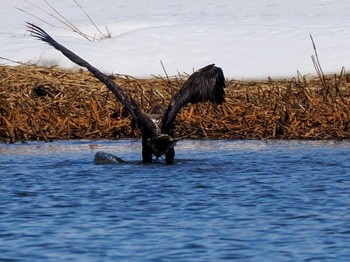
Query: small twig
x=13 y=61
x=317 y=64
x=167 y=77
x=92 y=22
x=63 y=20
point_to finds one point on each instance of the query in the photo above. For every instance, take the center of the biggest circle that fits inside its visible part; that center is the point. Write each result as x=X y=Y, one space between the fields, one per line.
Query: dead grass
x=46 y=12
x=39 y=103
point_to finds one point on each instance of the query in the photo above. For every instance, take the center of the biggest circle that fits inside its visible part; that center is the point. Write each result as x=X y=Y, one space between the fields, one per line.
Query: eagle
x=158 y=128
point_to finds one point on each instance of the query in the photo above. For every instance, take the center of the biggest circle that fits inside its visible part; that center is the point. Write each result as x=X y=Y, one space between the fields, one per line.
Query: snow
x=248 y=39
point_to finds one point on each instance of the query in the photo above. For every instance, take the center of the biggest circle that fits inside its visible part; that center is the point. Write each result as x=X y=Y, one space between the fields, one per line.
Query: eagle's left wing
x=206 y=84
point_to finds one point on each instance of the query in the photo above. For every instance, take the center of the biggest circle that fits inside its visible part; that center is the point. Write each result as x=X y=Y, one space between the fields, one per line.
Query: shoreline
x=48 y=103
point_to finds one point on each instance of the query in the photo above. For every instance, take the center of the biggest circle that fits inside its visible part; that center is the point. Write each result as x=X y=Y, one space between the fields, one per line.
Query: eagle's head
x=160 y=144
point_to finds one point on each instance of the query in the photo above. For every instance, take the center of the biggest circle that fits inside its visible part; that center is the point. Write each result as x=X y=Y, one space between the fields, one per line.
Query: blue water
x=221 y=200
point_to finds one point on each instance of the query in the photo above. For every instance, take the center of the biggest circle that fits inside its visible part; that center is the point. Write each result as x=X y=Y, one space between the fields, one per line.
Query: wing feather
x=139 y=116
x=206 y=84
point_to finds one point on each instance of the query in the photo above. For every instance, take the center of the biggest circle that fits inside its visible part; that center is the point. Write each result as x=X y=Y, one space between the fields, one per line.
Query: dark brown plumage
x=206 y=84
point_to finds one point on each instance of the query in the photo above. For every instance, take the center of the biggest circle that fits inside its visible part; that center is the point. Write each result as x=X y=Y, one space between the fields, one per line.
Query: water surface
x=221 y=200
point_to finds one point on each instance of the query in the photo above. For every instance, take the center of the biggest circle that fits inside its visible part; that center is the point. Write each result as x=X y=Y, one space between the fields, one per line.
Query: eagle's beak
x=160 y=144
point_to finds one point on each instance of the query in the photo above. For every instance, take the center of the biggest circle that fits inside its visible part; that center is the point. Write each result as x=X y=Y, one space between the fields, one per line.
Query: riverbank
x=45 y=104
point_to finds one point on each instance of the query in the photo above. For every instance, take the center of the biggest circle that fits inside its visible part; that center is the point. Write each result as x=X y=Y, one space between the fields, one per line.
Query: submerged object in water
x=206 y=84
x=102 y=158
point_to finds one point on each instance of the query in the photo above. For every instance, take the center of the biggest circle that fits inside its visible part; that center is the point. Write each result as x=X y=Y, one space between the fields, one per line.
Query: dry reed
x=48 y=12
x=44 y=104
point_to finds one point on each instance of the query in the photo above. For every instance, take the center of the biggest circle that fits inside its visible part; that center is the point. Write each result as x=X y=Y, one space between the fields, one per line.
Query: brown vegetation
x=39 y=103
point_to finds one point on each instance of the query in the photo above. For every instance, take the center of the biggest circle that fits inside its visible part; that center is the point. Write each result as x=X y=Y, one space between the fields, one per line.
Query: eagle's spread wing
x=130 y=105
x=206 y=84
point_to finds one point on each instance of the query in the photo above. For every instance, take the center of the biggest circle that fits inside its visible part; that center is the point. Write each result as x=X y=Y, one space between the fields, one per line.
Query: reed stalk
x=45 y=104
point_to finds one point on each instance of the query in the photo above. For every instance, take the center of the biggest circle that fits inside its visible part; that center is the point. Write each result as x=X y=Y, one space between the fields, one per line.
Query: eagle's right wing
x=138 y=115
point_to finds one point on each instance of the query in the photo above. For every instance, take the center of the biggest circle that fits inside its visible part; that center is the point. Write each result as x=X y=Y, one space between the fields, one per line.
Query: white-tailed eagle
x=206 y=84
